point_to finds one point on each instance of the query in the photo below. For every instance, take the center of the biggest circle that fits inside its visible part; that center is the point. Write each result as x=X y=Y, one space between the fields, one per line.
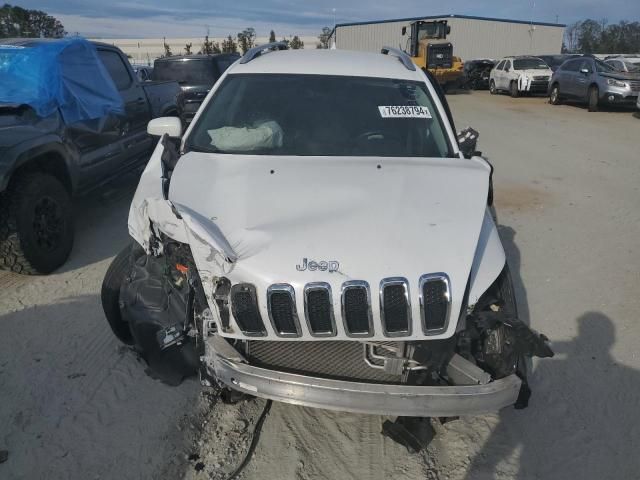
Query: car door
x=133 y=137
x=569 y=77
x=586 y=70
x=497 y=73
x=507 y=74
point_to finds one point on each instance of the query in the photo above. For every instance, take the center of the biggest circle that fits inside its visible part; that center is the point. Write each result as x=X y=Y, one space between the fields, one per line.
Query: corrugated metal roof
x=469 y=17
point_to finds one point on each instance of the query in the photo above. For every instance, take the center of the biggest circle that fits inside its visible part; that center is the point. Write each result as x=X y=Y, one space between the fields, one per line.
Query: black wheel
x=554 y=95
x=110 y=294
x=593 y=99
x=492 y=87
x=513 y=89
x=36 y=225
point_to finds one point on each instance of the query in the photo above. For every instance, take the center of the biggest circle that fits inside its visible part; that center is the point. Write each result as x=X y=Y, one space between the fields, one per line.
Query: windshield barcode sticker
x=407 y=111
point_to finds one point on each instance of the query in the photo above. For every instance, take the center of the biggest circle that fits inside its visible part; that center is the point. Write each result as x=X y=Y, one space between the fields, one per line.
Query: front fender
x=489 y=259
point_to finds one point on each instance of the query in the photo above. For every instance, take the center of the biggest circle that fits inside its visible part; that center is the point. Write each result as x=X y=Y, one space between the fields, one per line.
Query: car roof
x=34 y=42
x=328 y=62
x=180 y=58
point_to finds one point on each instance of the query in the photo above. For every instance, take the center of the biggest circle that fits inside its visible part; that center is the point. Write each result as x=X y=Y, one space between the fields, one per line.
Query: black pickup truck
x=196 y=74
x=44 y=161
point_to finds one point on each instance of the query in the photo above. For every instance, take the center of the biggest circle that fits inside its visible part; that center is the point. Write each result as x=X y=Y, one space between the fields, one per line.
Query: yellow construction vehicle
x=429 y=50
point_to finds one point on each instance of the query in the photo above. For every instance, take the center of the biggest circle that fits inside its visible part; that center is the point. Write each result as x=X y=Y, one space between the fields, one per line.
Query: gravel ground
x=76 y=404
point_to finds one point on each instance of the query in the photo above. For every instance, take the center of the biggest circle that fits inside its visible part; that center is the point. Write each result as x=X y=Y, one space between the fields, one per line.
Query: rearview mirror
x=171 y=126
x=468 y=142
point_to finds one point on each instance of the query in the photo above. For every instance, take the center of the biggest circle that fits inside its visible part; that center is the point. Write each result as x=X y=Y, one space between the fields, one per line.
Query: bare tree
x=324 y=38
x=187 y=48
x=272 y=36
x=209 y=47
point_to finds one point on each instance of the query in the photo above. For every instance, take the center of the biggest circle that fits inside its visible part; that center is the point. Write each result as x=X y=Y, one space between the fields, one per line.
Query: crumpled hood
x=621 y=75
x=374 y=217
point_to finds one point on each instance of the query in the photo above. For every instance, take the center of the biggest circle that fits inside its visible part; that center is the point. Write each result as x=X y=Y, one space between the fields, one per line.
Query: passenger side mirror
x=585 y=71
x=468 y=142
x=171 y=126
x=404 y=31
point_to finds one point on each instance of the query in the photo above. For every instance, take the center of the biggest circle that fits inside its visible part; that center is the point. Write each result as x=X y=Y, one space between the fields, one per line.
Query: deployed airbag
x=266 y=135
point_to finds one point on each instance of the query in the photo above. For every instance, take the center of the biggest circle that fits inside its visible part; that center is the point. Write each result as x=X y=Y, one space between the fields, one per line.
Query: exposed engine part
x=159 y=300
x=461 y=371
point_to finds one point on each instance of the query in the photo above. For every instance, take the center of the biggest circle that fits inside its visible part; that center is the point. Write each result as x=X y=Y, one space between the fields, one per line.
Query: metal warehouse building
x=472 y=37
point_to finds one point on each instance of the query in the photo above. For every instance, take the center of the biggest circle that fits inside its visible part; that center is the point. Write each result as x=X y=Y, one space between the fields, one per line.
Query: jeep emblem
x=323 y=265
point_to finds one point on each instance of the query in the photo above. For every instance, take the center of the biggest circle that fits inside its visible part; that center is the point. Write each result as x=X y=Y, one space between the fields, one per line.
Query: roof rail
x=402 y=56
x=260 y=49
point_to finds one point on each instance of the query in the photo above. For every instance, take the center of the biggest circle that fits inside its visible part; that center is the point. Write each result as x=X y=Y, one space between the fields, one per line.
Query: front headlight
x=616 y=83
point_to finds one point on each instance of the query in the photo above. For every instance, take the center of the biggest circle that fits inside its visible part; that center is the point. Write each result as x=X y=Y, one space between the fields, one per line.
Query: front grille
x=283 y=314
x=435 y=298
x=356 y=309
x=440 y=55
x=318 y=309
x=395 y=307
x=244 y=307
x=635 y=85
x=541 y=78
x=339 y=360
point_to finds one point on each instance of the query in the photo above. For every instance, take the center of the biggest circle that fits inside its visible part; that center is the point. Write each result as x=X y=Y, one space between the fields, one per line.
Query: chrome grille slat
x=435 y=302
x=395 y=307
x=318 y=309
x=245 y=310
x=281 y=304
x=356 y=309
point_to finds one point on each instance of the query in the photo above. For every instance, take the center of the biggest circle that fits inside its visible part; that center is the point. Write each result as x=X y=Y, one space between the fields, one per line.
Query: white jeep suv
x=318 y=236
x=518 y=75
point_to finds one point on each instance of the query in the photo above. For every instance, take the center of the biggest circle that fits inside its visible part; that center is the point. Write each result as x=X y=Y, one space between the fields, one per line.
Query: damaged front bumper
x=369 y=398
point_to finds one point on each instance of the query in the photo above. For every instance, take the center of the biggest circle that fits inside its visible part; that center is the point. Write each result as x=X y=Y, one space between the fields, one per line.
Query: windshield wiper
x=204 y=149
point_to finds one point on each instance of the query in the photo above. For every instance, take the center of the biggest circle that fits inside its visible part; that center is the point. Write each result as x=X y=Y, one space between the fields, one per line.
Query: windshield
x=186 y=71
x=529 y=64
x=431 y=30
x=602 y=67
x=318 y=115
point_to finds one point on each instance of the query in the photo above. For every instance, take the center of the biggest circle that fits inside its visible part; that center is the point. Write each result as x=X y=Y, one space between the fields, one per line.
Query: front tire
x=492 y=88
x=36 y=225
x=593 y=99
x=554 y=95
x=513 y=88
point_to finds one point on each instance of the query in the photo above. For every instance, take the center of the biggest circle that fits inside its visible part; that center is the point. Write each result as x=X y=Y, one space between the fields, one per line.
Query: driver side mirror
x=404 y=31
x=170 y=126
x=468 y=142
x=586 y=71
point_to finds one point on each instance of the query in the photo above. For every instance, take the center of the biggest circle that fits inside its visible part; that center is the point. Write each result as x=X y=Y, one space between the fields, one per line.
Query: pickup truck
x=46 y=160
x=196 y=74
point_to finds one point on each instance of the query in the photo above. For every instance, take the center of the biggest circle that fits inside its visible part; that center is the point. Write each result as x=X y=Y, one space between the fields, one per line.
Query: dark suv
x=592 y=81
x=196 y=74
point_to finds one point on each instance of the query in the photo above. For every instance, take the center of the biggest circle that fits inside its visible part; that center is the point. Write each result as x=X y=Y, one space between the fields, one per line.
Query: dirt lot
x=75 y=404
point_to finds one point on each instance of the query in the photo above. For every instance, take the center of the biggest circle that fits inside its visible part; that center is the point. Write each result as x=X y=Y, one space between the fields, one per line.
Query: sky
x=194 y=18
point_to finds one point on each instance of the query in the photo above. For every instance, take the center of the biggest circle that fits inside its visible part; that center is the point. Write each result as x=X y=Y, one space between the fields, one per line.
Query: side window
x=500 y=65
x=507 y=66
x=586 y=64
x=116 y=68
x=572 y=65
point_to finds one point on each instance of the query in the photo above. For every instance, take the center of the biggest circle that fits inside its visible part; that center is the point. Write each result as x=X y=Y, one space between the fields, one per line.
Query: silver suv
x=592 y=81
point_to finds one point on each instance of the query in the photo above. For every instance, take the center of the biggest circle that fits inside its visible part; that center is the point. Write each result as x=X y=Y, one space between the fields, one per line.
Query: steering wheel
x=376 y=135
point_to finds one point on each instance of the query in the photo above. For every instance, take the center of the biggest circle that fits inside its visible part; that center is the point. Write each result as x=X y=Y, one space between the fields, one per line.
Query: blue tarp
x=64 y=74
